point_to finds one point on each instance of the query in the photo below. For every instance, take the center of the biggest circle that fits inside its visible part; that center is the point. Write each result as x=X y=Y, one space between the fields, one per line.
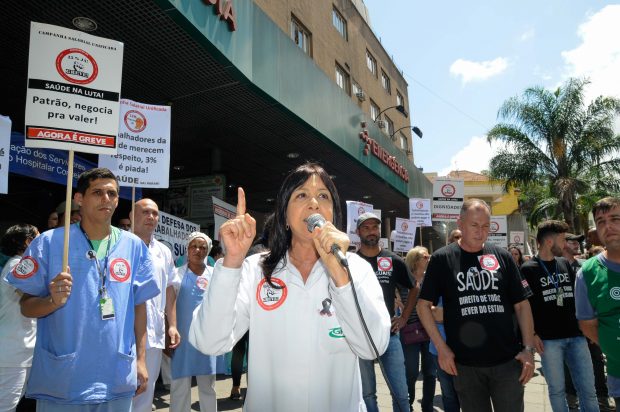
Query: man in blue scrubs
x=90 y=349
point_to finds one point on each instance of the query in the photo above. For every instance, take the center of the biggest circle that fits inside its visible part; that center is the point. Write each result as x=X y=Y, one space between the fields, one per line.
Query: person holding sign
x=91 y=329
x=297 y=302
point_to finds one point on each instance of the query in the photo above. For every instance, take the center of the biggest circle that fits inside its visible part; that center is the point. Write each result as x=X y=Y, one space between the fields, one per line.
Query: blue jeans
x=394 y=363
x=448 y=394
x=413 y=352
x=573 y=351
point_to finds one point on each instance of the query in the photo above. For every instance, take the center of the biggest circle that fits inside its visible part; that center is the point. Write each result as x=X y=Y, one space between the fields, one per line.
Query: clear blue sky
x=463 y=59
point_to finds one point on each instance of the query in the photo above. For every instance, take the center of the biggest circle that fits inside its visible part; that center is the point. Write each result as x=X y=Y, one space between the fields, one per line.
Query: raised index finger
x=240 y=202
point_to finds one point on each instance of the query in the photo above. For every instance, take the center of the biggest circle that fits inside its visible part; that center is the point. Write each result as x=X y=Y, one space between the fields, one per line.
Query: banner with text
x=174 y=232
x=447 y=199
x=74 y=83
x=143 y=157
x=517 y=237
x=420 y=212
x=354 y=210
x=404 y=235
x=222 y=212
x=498 y=231
x=5 y=147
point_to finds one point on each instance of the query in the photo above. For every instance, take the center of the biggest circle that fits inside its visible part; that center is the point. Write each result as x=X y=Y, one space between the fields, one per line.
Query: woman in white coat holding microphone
x=297 y=301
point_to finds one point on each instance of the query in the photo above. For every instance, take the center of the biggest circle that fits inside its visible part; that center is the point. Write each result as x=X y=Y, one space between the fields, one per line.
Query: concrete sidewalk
x=536 y=395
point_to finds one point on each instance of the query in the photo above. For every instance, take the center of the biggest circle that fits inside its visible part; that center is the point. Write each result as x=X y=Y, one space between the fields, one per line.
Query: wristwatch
x=529 y=349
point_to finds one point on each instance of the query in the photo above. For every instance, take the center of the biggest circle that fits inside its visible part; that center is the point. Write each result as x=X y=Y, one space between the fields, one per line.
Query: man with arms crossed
x=597 y=291
x=91 y=328
x=482 y=290
x=146 y=215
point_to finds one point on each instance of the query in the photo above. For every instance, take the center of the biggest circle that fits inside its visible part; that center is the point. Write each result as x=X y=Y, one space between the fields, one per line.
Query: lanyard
x=555 y=281
x=100 y=269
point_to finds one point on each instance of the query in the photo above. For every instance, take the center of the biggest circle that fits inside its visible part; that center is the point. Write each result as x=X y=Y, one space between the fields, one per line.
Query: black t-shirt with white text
x=550 y=320
x=391 y=272
x=479 y=292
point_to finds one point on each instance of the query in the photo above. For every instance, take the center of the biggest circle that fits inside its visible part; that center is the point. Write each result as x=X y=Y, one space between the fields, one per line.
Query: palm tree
x=552 y=139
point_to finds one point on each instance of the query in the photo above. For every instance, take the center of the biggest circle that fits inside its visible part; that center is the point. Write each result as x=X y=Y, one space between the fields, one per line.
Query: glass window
x=301 y=36
x=371 y=63
x=399 y=99
x=342 y=79
x=385 y=82
x=403 y=141
x=356 y=87
x=389 y=126
x=374 y=111
x=339 y=23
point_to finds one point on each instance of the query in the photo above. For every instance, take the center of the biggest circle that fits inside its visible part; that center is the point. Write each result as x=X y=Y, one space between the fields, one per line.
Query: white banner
x=354 y=210
x=498 y=231
x=420 y=212
x=405 y=226
x=143 y=158
x=74 y=84
x=173 y=232
x=447 y=199
x=403 y=242
x=517 y=238
x=222 y=212
x=5 y=150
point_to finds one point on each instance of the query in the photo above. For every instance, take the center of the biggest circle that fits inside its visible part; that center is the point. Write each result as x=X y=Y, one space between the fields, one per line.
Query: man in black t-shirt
x=391 y=272
x=557 y=337
x=482 y=291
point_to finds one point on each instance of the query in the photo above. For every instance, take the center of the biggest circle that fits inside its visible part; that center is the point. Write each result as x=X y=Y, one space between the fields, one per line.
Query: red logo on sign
x=360 y=211
x=268 y=297
x=384 y=263
x=517 y=239
x=120 y=270
x=77 y=66
x=488 y=262
x=135 y=121
x=494 y=227
x=420 y=205
x=404 y=227
x=448 y=190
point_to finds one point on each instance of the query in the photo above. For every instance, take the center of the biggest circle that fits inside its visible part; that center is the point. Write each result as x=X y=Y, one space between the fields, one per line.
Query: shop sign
x=371 y=145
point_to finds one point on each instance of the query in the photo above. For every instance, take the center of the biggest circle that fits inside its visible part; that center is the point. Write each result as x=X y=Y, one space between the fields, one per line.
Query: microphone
x=316 y=220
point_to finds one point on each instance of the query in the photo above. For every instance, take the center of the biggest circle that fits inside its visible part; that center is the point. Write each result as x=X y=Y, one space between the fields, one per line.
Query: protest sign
x=498 y=232
x=143 y=157
x=174 y=232
x=420 y=212
x=447 y=199
x=222 y=212
x=354 y=210
x=5 y=144
x=74 y=83
x=517 y=238
x=403 y=235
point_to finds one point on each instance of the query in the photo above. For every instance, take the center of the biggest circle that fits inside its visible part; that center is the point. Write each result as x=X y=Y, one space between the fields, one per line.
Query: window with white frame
x=301 y=36
x=339 y=23
x=403 y=141
x=371 y=63
x=356 y=88
x=374 y=111
x=385 y=82
x=389 y=129
x=399 y=99
x=342 y=79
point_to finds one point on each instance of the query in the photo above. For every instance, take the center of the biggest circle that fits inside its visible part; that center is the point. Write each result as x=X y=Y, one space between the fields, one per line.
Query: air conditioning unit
x=361 y=96
x=381 y=124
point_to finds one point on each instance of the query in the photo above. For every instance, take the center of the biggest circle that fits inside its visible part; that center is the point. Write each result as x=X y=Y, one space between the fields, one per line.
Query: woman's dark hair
x=216 y=249
x=279 y=235
x=521 y=260
x=14 y=240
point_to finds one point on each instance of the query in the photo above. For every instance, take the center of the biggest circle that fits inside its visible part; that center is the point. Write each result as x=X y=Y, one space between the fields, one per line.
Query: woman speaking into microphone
x=297 y=301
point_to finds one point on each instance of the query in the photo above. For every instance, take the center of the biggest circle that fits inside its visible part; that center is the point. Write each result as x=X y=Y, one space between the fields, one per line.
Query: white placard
x=174 y=232
x=5 y=150
x=354 y=210
x=420 y=212
x=222 y=212
x=143 y=157
x=403 y=242
x=498 y=231
x=74 y=84
x=447 y=199
x=405 y=226
x=384 y=243
x=517 y=237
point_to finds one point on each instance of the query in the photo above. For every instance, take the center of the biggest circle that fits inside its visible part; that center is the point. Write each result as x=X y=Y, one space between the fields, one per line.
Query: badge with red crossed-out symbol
x=268 y=297
x=120 y=270
x=384 y=263
x=26 y=268
x=202 y=282
x=488 y=262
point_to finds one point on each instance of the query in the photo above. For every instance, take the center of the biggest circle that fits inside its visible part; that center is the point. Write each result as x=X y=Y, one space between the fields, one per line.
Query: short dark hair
x=14 y=240
x=549 y=228
x=473 y=202
x=279 y=236
x=605 y=205
x=94 y=174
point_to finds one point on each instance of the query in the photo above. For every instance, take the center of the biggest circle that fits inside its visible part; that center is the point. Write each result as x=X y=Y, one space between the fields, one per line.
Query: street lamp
x=398 y=107
x=414 y=129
